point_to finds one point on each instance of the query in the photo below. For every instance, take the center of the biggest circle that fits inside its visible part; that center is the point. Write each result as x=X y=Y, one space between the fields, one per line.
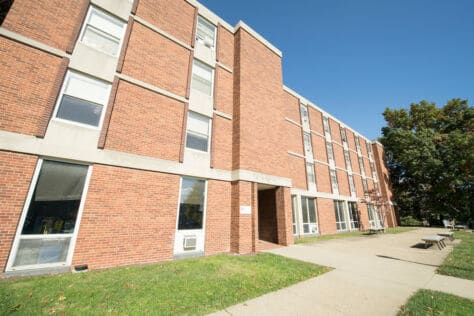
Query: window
x=341 y=224
x=369 y=149
x=343 y=135
x=353 y=215
x=191 y=204
x=52 y=214
x=375 y=218
x=361 y=166
x=357 y=142
x=347 y=158
x=310 y=222
x=197 y=136
x=330 y=152
x=372 y=168
x=327 y=131
x=83 y=99
x=334 y=184
x=377 y=188
x=294 y=207
x=310 y=173
x=103 y=32
x=365 y=186
x=202 y=78
x=351 y=185
x=206 y=32
x=307 y=144
x=304 y=114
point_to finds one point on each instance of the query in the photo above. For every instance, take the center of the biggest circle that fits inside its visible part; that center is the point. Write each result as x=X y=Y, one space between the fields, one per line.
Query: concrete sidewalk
x=373 y=275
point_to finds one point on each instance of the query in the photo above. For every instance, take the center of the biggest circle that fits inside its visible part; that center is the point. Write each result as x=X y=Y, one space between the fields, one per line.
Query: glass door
x=310 y=221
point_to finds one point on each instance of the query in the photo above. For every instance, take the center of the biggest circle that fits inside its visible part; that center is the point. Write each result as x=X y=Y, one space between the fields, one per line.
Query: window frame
x=326 y=127
x=311 y=166
x=340 y=210
x=213 y=71
x=73 y=236
x=204 y=211
x=343 y=135
x=208 y=136
x=352 y=221
x=309 y=223
x=197 y=39
x=352 y=188
x=308 y=146
x=85 y=23
x=68 y=75
x=330 y=153
x=304 y=109
x=334 y=181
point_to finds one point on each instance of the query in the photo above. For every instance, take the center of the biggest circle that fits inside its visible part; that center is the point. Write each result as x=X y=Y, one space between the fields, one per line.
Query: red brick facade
x=255 y=165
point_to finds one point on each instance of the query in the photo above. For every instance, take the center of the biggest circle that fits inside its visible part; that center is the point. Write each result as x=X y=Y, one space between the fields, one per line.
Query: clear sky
x=354 y=58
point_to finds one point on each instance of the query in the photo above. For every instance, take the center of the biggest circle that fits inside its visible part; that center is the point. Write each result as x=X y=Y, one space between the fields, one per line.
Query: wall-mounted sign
x=245 y=209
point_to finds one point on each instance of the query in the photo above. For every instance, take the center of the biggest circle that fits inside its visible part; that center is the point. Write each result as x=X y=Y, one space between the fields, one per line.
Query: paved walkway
x=373 y=275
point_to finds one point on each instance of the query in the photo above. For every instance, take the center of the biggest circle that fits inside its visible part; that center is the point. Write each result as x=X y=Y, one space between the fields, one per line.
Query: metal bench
x=434 y=239
x=449 y=235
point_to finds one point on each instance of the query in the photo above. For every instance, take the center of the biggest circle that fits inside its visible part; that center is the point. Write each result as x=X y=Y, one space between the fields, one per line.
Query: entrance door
x=189 y=237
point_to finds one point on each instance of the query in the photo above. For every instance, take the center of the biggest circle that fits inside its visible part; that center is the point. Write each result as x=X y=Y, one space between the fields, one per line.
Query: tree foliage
x=430 y=156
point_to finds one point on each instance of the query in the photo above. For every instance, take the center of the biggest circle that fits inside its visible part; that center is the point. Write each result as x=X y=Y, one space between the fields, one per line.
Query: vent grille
x=189 y=242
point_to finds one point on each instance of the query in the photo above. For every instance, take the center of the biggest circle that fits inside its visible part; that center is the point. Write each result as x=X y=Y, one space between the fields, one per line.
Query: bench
x=449 y=235
x=434 y=239
x=375 y=230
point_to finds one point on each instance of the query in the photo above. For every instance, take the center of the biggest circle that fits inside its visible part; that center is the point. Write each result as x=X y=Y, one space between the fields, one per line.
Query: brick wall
x=319 y=148
x=297 y=172
x=224 y=94
x=218 y=213
x=154 y=59
x=16 y=173
x=52 y=22
x=316 y=120
x=225 y=46
x=343 y=182
x=174 y=17
x=244 y=227
x=326 y=216
x=129 y=218
x=339 y=155
x=291 y=107
x=27 y=78
x=284 y=216
x=323 y=180
x=145 y=123
x=222 y=142
x=335 y=131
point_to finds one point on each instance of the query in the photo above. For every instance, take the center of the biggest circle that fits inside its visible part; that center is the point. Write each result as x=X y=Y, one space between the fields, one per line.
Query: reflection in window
x=191 y=206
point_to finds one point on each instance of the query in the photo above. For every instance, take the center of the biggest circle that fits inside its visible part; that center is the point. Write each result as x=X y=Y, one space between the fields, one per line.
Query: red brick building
x=139 y=131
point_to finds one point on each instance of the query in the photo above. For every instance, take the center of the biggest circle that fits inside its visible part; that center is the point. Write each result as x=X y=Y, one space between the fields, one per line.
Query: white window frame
x=310 y=224
x=294 y=212
x=361 y=165
x=343 y=136
x=326 y=127
x=304 y=118
x=62 y=92
x=330 y=152
x=197 y=61
x=208 y=136
x=347 y=158
x=73 y=236
x=100 y=11
x=334 y=182
x=357 y=142
x=311 y=167
x=351 y=184
x=340 y=210
x=200 y=40
x=351 y=220
x=308 y=146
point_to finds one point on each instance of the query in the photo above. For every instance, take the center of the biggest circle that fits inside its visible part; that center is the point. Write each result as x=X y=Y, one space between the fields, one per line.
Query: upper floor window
x=307 y=143
x=327 y=131
x=369 y=149
x=330 y=152
x=343 y=135
x=351 y=185
x=334 y=184
x=304 y=114
x=365 y=186
x=310 y=173
x=361 y=166
x=82 y=99
x=103 y=32
x=347 y=159
x=197 y=135
x=206 y=32
x=357 y=142
x=203 y=76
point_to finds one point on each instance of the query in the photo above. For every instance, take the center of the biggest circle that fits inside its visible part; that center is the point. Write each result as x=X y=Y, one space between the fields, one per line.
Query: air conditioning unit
x=189 y=242
x=208 y=42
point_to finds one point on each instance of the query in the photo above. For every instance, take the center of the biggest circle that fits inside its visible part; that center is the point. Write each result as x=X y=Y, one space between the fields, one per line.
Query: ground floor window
x=341 y=224
x=51 y=215
x=310 y=219
x=375 y=218
x=191 y=207
x=294 y=208
x=353 y=215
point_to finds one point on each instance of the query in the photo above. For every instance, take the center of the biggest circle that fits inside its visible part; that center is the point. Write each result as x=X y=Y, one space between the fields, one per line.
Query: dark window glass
x=191 y=207
x=77 y=110
x=5 y=6
x=196 y=142
x=312 y=211
x=56 y=199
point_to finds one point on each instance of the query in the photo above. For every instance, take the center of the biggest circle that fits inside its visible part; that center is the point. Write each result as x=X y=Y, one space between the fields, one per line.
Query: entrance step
x=263 y=245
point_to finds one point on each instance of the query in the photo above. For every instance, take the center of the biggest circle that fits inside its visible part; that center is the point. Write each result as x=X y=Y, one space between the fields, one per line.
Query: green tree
x=430 y=156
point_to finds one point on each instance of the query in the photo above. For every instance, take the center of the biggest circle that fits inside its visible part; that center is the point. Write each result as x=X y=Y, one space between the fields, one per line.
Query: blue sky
x=354 y=58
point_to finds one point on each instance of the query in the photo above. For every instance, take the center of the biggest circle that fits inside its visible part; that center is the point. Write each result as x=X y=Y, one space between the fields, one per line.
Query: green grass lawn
x=425 y=302
x=394 y=230
x=193 y=286
x=460 y=263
